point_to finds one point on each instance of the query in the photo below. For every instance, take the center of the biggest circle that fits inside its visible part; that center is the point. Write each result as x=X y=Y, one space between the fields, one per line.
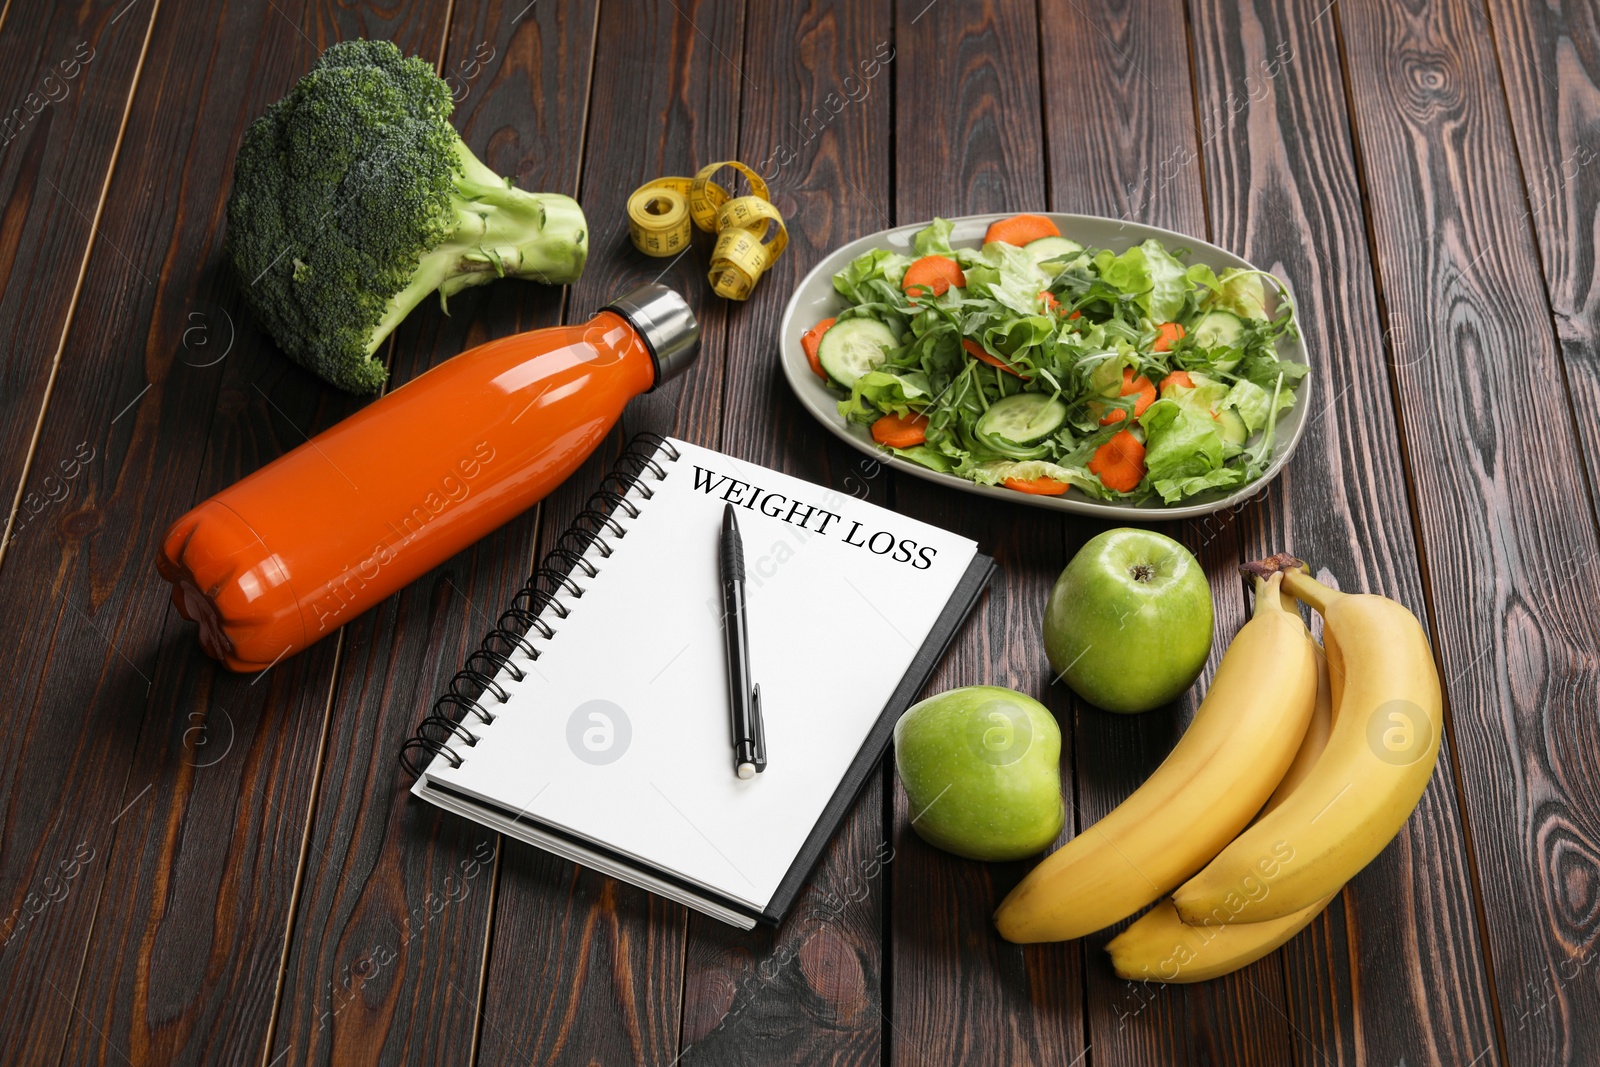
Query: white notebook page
x=619 y=731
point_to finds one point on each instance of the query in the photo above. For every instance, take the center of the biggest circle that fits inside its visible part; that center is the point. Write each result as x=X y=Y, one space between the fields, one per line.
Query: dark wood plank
x=396 y=902
x=809 y=992
x=1283 y=191
x=1506 y=538
x=968 y=139
x=608 y=975
x=1127 y=65
x=1551 y=75
x=120 y=757
x=65 y=85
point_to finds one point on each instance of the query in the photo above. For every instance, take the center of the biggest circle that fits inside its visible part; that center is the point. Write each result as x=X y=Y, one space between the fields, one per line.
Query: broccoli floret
x=354 y=198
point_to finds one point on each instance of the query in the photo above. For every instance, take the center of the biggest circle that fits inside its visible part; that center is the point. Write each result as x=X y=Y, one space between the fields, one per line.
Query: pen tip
x=747 y=771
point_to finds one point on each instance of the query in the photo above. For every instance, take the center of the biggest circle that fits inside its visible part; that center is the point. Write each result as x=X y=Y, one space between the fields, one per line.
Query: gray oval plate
x=815 y=299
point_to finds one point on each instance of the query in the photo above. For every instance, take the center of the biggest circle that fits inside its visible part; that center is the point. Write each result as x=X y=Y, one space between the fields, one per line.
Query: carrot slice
x=932 y=274
x=1130 y=385
x=976 y=351
x=1179 y=379
x=1036 y=486
x=1119 y=462
x=897 y=432
x=1020 y=229
x=1166 y=334
x=812 y=341
x=1052 y=304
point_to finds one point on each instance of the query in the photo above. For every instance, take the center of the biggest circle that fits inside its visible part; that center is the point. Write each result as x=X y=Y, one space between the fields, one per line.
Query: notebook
x=594 y=722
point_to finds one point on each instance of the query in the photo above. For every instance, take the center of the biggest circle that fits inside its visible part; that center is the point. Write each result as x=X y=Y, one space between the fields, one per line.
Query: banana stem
x=1313 y=592
x=1268 y=593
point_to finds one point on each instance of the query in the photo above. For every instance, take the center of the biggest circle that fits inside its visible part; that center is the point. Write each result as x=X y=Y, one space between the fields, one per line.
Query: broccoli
x=354 y=198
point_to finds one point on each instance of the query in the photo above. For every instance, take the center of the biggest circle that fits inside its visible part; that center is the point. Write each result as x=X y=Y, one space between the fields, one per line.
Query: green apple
x=1129 y=622
x=982 y=771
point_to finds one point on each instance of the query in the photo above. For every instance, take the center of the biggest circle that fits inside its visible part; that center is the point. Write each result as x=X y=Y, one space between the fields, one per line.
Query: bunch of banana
x=1161 y=947
x=1243 y=739
x=1344 y=743
x=1388 y=717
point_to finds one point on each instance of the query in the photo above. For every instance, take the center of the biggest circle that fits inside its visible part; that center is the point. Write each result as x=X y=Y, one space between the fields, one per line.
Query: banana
x=1241 y=742
x=1380 y=755
x=1161 y=947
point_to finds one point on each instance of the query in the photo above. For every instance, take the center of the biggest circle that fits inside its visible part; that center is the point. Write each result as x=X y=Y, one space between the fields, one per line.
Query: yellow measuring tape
x=660 y=214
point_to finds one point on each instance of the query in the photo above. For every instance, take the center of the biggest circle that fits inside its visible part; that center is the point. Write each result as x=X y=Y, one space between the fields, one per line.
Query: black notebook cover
x=955 y=613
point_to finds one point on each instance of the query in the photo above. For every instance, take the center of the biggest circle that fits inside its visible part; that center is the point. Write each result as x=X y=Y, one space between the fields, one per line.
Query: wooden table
x=201 y=867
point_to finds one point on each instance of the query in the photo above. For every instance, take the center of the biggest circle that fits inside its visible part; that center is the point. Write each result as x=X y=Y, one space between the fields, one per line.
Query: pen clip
x=758 y=727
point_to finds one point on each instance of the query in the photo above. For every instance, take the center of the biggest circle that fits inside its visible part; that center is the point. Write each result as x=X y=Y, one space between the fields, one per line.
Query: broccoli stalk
x=499 y=232
x=354 y=198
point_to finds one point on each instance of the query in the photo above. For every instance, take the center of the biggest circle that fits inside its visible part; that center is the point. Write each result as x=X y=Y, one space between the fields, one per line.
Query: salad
x=1040 y=365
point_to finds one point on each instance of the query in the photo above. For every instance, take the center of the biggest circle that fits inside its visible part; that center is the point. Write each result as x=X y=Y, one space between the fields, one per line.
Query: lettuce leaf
x=1148 y=273
x=995 y=471
x=934 y=239
x=927 y=457
x=1254 y=403
x=1180 y=444
x=1239 y=291
x=1007 y=275
x=1174 y=489
x=1207 y=395
x=856 y=282
x=1263 y=368
x=878 y=392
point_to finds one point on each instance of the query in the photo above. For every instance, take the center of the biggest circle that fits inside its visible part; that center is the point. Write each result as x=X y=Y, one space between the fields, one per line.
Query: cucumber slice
x=1022 y=418
x=1231 y=425
x=1216 y=328
x=851 y=348
x=1048 y=248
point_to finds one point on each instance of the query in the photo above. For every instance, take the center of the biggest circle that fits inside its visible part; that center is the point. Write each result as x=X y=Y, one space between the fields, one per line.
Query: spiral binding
x=444 y=731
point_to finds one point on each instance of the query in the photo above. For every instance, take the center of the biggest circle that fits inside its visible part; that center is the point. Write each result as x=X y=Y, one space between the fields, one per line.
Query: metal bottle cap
x=668 y=327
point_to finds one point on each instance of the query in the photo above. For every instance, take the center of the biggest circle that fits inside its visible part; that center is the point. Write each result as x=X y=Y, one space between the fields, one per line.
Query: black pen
x=744 y=698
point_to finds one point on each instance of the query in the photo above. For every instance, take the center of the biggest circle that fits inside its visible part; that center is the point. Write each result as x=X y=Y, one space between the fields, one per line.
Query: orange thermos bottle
x=319 y=535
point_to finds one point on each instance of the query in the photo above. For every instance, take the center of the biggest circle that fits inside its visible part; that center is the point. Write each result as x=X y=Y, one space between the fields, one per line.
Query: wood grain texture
x=1283 y=192
x=395 y=908
x=208 y=854
x=63 y=91
x=165 y=825
x=968 y=139
x=1126 y=64
x=809 y=992
x=583 y=967
x=109 y=757
x=1549 y=58
x=1497 y=508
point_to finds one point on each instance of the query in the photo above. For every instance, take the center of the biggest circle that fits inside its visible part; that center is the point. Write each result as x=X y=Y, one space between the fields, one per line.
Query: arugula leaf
x=1079 y=361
